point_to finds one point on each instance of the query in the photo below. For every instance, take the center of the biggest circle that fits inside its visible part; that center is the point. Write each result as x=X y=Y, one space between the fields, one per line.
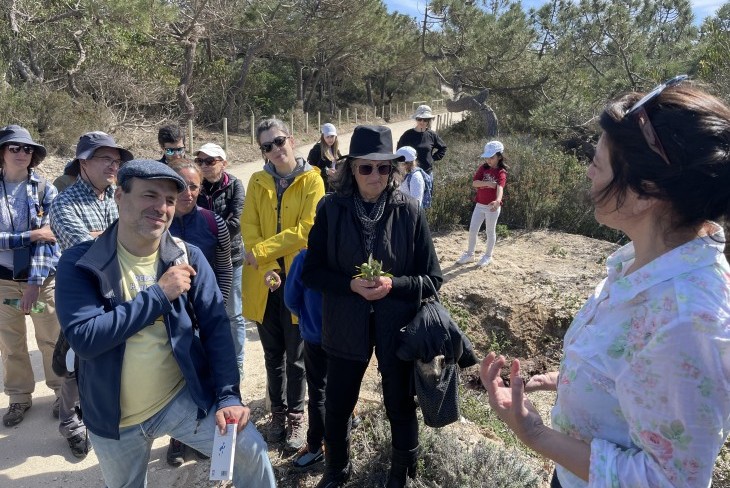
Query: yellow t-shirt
x=150 y=374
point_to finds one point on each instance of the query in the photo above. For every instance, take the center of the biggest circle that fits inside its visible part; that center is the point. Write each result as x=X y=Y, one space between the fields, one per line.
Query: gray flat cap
x=149 y=169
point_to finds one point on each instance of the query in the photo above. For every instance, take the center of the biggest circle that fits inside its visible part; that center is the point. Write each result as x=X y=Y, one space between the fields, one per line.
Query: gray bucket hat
x=89 y=143
x=149 y=169
x=18 y=135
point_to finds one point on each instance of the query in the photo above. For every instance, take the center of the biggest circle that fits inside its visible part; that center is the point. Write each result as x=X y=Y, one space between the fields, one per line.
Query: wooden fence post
x=190 y=137
x=306 y=122
x=319 y=120
x=339 y=118
x=225 y=134
x=253 y=129
x=355 y=116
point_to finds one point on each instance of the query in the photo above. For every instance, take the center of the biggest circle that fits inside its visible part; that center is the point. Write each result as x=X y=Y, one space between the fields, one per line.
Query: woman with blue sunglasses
x=643 y=395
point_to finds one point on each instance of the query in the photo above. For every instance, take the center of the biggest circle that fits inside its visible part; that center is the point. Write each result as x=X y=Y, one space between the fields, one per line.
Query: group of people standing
x=643 y=397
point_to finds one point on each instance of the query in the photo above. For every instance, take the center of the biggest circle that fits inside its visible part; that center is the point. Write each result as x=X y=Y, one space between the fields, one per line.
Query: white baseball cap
x=491 y=148
x=212 y=150
x=407 y=153
x=329 y=130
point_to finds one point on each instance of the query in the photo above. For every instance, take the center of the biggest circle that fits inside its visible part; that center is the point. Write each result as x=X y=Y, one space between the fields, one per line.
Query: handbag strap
x=432 y=287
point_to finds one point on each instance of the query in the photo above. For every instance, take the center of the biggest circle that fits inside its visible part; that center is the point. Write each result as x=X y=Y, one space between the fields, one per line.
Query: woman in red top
x=489 y=180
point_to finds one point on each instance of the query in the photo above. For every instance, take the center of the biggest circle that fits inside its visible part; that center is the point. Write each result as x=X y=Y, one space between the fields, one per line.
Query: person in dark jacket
x=325 y=153
x=224 y=194
x=366 y=216
x=429 y=146
x=149 y=327
x=171 y=139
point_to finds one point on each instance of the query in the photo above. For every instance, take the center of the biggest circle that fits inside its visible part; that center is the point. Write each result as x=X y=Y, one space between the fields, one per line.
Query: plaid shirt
x=44 y=256
x=77 y=211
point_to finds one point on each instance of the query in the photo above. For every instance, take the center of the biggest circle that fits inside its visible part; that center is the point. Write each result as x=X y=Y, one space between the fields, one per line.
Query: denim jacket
x=97 y=322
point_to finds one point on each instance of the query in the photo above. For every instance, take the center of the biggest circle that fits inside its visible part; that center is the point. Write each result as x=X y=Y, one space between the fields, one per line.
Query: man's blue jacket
x=97 y=322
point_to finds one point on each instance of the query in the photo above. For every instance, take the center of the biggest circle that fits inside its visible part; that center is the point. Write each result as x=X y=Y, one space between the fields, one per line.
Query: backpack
x=210 y=220
x=428 y=182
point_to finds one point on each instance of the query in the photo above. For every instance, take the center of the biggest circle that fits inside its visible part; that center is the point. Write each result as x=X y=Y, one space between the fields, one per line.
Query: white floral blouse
x=646 y=368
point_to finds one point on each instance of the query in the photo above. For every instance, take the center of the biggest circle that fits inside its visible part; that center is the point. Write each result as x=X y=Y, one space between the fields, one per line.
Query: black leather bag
x=436 y=381
x=21 y=263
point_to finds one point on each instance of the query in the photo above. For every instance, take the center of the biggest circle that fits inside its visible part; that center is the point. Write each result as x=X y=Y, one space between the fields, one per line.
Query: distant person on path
x=367 y=216
x=282 y=199
x=225 y=195
x=489 y=181
x=325 y=153
x=642 y=390
x=171 y=139
x=79 y=214
x=425 y=141
x=25 y=198
x=414 y=181
x=145 y=316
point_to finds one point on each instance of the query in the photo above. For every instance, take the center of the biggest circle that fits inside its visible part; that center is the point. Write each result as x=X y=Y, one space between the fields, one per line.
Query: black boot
x=338 y=467
x=402 y=464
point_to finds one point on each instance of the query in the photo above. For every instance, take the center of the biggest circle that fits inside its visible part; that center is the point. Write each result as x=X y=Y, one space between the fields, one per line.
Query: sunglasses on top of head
x=278 y=141
x=171 y=151
x=15 y=148
x=366 y=169
x=638 y=110
x=206 y=161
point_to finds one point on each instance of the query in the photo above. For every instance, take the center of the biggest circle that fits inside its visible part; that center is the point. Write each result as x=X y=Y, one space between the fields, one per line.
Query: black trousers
x=283 y=355
x=315 y=362
x=344 y=377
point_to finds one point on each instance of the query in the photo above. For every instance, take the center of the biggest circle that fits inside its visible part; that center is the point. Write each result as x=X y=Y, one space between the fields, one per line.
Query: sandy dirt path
x=34 y=455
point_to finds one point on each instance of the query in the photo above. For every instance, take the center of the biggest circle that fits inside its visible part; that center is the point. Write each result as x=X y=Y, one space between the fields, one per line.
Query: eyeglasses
x=421 y=119
x=647 y=129
x=15 y=149
x=109 y=161
x=278 y=142
x=206 y=161
x=193 y=187
x=366 y=169
x=171 y=151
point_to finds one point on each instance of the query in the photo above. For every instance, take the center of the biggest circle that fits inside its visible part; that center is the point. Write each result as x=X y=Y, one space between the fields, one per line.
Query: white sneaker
x=465 y=258
x=485 y=260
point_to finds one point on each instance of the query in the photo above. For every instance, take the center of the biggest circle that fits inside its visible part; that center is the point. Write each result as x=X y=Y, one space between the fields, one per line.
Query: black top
x=428 y=145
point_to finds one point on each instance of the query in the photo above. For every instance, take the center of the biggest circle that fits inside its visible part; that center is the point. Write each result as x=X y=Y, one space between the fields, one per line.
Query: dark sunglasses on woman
x=278 y=142
x=366 y=169
x=15 y=149
x=206 y=161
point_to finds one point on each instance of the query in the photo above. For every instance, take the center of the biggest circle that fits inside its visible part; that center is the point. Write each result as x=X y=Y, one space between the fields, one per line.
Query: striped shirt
x=78 y=211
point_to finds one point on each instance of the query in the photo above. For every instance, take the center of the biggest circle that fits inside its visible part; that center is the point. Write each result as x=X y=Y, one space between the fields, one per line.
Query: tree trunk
x=237 y=87
x=312 y=88
x=369 y=91
x=187 y=108
x=300 y=80
x=331 y=93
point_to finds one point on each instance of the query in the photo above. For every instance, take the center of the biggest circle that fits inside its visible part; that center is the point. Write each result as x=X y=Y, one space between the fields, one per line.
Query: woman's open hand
x=510 y=403
x=374 y=289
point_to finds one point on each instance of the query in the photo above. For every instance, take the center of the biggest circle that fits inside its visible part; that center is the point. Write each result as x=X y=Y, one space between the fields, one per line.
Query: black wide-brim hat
x=373 y=142
x=15 y=134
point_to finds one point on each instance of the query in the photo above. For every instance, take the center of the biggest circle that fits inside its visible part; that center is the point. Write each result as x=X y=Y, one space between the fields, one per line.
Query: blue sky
x=414 y=8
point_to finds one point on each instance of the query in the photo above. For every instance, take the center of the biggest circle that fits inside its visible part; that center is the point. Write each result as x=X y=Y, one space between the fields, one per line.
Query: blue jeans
x=124 y=462
x=234 y=310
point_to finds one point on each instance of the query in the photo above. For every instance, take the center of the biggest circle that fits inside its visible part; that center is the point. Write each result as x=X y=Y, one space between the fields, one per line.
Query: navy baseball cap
x=149 y=169
x=89 y=143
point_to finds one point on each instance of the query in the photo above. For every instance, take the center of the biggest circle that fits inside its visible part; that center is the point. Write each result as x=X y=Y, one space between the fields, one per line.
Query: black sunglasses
x=278 y=142
x=206 y=161
x=421 y=119
x=647 y=129
x=15 y=149
x=366 y=169
x=171 y=151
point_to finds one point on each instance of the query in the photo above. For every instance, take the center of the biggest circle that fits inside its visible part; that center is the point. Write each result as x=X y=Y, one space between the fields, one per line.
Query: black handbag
x=436 y=381
x=21 y=263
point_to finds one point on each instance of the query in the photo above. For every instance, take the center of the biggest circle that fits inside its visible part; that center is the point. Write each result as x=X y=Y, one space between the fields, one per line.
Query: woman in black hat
x=367 y=217
x=28 y=258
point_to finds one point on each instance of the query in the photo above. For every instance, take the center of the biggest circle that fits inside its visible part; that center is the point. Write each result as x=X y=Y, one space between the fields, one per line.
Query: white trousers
x=482 y=214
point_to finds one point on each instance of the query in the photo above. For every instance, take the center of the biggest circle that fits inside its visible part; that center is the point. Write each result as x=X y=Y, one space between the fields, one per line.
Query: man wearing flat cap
x=148 y=323
x=81 y=213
